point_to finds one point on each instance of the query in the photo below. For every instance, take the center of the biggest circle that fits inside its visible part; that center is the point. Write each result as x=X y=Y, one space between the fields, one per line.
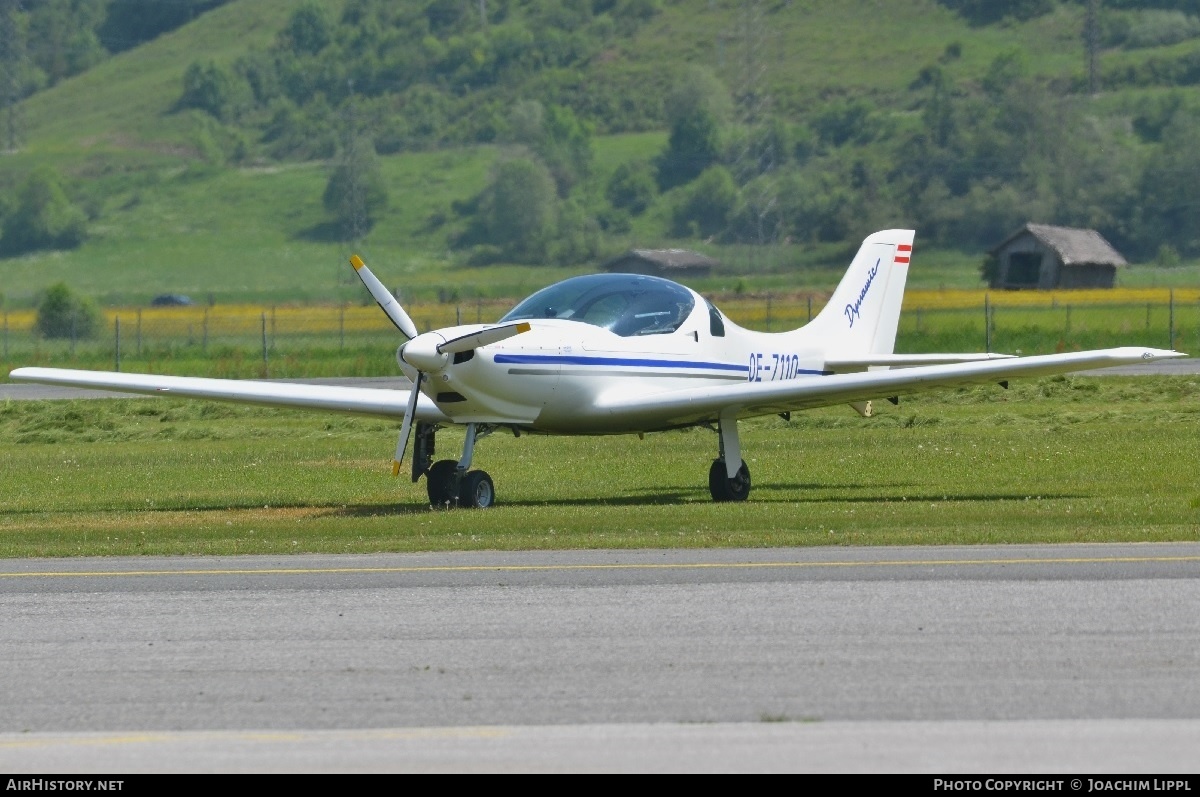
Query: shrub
x=44 y=217
x=61 y=314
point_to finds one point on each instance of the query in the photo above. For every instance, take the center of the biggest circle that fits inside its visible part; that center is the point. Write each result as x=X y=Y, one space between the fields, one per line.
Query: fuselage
x=554 y=377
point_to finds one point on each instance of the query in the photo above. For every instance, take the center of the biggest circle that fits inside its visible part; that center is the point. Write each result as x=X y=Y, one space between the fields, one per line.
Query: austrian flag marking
x=903 y=252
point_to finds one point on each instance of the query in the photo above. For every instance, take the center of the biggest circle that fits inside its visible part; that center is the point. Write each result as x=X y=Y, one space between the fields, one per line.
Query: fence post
x=987 y=323
x=1171 y=317
x=204 y=339
x=6 y=335
x=479 y=311
x=768 y=311
x=74 y=316
x=341 y=327
x=458 y=315
x=810 y=307
x=117 y=346
x=1068 y=331
x=264 y=338
x=139 y=333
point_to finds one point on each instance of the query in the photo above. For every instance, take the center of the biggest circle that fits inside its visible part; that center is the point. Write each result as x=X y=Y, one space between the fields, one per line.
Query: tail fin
x=864 y=311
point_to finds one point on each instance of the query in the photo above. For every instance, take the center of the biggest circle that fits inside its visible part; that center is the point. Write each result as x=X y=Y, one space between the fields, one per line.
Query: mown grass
x=1068 y=459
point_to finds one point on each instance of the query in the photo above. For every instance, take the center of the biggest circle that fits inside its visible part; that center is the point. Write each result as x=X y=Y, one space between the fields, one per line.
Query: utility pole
x=757 y=161
x=12 y=60
x=1091 y=43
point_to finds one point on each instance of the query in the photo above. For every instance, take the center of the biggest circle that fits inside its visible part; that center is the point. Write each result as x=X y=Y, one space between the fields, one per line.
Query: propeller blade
x=407 y=425
x=477 y=339
x=384 y=298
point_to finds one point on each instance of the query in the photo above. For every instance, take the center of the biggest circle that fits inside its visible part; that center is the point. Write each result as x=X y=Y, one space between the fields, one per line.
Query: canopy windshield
x=626 y=304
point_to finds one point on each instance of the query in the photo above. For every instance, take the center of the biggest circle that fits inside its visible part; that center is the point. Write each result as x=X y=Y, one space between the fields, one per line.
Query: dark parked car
x=171 y=300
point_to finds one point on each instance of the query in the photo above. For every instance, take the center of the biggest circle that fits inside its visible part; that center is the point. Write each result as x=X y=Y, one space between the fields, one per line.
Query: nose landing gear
x=451 y=483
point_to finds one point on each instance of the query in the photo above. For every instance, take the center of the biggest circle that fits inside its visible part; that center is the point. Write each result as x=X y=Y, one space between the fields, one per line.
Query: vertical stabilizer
x=864 y=311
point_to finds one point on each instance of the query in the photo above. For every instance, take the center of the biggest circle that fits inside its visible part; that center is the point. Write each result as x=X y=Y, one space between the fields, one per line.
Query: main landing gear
x=722 y=484
x=452 y=483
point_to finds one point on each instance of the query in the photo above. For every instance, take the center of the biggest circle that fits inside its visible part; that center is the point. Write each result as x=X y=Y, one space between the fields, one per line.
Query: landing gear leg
x=452 y=484
x=423 y=449
x=729 y=477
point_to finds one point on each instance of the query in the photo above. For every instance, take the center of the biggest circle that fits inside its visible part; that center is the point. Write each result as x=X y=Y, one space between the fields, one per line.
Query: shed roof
x=1071 y=244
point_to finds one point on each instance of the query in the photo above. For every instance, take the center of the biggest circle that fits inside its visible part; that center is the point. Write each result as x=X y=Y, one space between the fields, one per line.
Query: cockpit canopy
x=626 y=304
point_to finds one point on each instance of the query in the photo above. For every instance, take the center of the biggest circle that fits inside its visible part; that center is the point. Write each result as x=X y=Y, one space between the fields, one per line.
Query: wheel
x=477 y=490
x=442 y=483
x=724 y=488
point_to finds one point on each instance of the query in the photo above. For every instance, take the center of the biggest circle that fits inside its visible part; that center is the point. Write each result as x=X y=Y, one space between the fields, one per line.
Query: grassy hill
x=168 y=214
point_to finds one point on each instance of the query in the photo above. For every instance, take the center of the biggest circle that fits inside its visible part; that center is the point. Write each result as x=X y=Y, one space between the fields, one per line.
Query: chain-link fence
x=276 y=340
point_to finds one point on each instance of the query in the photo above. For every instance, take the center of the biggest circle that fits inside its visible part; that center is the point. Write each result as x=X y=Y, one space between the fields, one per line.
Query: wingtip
x=1162 y=354
x=357 y=262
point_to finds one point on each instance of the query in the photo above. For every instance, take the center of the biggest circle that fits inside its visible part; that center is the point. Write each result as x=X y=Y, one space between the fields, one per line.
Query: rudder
x=863 y=313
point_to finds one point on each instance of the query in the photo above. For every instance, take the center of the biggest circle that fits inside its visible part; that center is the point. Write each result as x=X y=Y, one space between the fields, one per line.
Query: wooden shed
x=670 y=263
x=1043 y=257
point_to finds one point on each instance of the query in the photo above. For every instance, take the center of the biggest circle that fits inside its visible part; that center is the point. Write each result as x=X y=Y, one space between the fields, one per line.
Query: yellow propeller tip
x=357 y=262
x=523 y=326
x=395 y=468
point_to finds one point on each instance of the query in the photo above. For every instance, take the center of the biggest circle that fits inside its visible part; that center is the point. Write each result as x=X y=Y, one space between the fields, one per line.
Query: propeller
x=406 y=426
x=383 y=297
x=428 y=352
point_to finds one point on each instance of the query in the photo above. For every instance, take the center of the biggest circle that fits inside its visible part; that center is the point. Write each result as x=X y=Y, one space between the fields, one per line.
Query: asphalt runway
x=983 y=660
x=987 y=660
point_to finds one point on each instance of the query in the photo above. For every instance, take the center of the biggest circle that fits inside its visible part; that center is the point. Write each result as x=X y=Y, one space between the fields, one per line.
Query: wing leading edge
x=750 y=399
x=377 y=402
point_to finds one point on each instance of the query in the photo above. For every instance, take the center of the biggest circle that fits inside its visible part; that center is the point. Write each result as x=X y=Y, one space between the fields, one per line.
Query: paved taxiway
x=1024 y=659
x=1060 y=659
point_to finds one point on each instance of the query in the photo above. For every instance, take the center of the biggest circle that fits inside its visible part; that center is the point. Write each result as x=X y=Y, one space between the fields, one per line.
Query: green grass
x=165 y=221
x=1079 y=459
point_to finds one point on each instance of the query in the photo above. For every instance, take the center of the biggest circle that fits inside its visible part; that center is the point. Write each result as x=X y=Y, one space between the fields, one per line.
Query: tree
x=219 y=91
x=706 y=208
x=44 y=218
x=519 y=209
x=632 y=187
x=697 y=110
x=61 y=314
x=1169 y=204
x=310 y=28
x=558 y=137
x=356 y=192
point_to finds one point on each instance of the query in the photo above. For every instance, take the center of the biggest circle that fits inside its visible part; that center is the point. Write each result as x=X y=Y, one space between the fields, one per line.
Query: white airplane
x=609 y=354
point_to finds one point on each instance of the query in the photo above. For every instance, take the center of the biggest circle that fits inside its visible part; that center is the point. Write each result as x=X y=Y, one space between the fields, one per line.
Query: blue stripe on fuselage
x=559 y=359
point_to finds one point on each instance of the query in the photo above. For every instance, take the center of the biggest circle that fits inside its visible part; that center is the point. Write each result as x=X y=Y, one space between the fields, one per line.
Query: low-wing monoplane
x=608 y=354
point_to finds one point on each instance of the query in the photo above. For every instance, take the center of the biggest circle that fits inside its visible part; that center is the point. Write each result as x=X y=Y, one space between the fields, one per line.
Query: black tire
x=477 y=491
x=442 y=484
x=724 y=488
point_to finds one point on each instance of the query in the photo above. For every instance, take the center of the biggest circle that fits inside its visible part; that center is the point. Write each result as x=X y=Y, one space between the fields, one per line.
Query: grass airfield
x=1063 y=459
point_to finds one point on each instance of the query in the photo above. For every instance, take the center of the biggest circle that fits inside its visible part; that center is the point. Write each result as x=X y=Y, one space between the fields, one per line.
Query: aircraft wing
x=750 y=399
x=378 y=402
x=861 y=363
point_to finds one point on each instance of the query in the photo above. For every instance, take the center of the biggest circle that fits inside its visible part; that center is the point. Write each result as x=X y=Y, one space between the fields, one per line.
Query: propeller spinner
x=428 y=352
